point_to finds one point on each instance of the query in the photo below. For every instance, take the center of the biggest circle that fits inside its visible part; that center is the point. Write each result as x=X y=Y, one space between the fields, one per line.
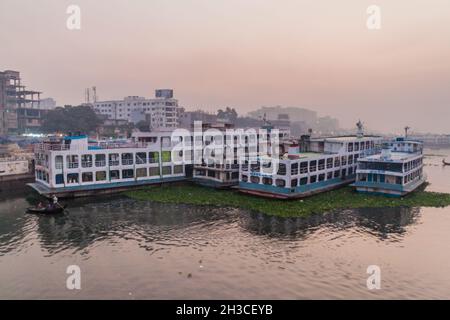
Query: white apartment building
x=161 y=111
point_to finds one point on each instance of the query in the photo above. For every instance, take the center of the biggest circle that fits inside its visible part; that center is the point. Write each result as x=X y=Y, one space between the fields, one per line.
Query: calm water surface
x=141 y=250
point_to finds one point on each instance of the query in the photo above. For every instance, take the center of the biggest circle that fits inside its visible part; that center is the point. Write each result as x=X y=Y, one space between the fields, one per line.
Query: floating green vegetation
x=343 y=198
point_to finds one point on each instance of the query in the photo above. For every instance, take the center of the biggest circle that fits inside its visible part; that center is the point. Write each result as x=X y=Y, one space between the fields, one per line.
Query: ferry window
x=127 y=159
x=312 y=166
x=350 y=147
x=59 y=179
x=72 y=178
x=367 y=144
x=350 y=170
x=321 y=164
x=114 y=174
x=114 y=159
x=362 y=146
x=177 y=169
x=87 y=177
x=344 y=173
x=350 y=159
x=166 y=156
x=58 y=162
x=337 y=173
x=294 y=168
x=329 y=175
x=356 y=146
x=166 y=170
x=244 y=178
x=267 y=181
x=282 y=169
x=86 y=160
x=303 y=167
x=211 y=173
x=141 y=172
x=321 y=177
x=329 y=163
x=312 y=179
x=100 y=160
x=337 y=162
x=294 y=183
x=280 y=182
x=141 y=158
x=100 y=176
x=72 y=161
x=303 y=181
x=254 y=179
x=235 y=175
x=127 y=173
x=153 y=157
x=154 y=171
x=344 y=160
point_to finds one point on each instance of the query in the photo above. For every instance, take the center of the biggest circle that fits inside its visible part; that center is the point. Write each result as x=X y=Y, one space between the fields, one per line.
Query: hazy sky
x=242 y=53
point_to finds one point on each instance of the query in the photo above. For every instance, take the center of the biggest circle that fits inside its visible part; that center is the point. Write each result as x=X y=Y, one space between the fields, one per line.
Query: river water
x=140 y=250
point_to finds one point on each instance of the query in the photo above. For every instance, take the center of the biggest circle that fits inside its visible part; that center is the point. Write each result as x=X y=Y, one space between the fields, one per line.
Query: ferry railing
x=72 y=165
x=39 y=147
x=58 y=165
x=101 y=163
x=303 y=170
x=127 y=162
x=321 y=167
x=86 y=164
x=113 y=162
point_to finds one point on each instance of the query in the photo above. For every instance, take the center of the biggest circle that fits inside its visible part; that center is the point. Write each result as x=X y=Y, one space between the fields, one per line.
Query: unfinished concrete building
x=19 y=108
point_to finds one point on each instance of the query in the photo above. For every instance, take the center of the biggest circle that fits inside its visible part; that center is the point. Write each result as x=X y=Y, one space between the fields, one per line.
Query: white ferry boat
x=74 y=166
x=317 y=165
x=396 y=171
x=225 y=173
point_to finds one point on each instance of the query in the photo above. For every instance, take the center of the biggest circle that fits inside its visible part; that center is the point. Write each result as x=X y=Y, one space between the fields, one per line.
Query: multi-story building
x=160 y=112
x=19 y=108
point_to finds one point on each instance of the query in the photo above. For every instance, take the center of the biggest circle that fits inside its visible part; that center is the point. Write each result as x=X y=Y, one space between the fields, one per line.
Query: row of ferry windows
x=356 y=146
x=302 y=181
x=311 y=166
x=118 y=174
x=114 y=159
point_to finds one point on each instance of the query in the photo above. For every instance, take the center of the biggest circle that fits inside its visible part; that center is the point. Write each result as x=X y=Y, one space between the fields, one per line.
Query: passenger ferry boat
x=74 y=166
x=225 y=174
x=316 y=165
x=396 y=171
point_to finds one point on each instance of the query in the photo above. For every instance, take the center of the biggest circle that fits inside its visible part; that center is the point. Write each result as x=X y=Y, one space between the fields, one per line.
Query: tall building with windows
x=162 y=111
x=19 y=107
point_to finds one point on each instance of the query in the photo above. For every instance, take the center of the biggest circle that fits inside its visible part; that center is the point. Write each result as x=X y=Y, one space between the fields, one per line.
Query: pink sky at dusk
x=244 y=54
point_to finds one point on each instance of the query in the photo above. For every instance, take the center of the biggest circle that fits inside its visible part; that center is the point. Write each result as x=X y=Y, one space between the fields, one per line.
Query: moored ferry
x=75 y=166
x=396 y=171
x=315 y=165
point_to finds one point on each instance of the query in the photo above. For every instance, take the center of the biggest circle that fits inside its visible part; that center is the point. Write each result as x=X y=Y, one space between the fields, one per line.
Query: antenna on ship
x=360 y=132
x=406 y=131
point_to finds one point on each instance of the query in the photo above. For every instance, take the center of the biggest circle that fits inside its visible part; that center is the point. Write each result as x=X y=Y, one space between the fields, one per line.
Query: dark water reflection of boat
x=110 y=219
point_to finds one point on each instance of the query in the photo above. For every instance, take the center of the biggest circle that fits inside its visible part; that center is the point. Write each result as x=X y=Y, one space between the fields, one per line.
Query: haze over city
x=243 y=54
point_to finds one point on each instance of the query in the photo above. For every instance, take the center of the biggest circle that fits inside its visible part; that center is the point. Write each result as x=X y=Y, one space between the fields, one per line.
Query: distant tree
x=229 y=114
x=70 y=119
x=143 y=126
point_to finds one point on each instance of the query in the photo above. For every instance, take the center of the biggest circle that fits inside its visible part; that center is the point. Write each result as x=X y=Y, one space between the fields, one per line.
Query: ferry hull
x=293 y=193
x=99 y=189
x=387 y=189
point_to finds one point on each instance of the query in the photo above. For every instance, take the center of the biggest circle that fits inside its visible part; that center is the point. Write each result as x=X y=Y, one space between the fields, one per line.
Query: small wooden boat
x=47 y=210
x=445 y=163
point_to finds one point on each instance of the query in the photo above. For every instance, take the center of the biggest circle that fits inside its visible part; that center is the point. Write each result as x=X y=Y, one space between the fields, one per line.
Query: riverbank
x=343 y=198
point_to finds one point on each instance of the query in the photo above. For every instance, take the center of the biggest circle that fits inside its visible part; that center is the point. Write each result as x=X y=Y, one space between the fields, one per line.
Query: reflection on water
x=129 y=249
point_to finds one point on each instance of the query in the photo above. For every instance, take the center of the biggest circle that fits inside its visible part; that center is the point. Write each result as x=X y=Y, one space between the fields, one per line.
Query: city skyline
x=316 y=56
